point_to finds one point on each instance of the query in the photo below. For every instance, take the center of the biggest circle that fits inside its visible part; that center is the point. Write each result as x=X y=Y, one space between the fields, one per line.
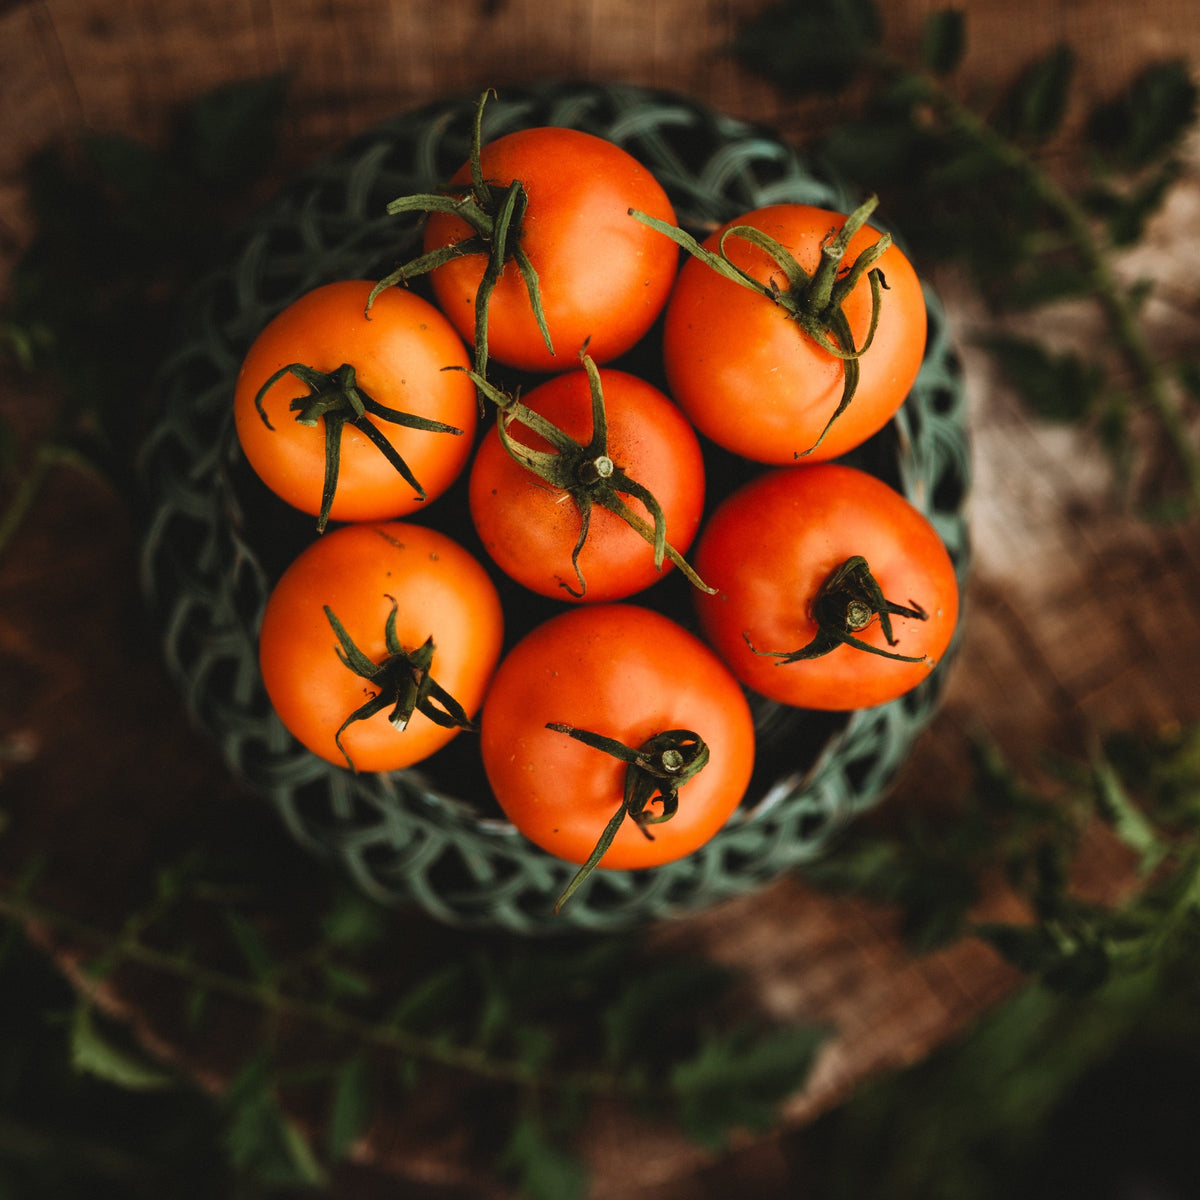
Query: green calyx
x=846 y=603
x=585 y=472
x=814 y=302
x=335 y=398
x=656 y=770
x=402 y=681
x=495 y=216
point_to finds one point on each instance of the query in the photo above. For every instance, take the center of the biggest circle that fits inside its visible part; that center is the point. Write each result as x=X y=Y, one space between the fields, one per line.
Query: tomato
x=530 y=525
x=747 y=376
x=622 y=672
x=770 y=547
x=397 y=356
x=602 y=275
x=363 y=574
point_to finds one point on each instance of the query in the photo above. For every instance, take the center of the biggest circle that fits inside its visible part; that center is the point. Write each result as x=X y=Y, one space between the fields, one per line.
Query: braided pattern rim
x=399 y=835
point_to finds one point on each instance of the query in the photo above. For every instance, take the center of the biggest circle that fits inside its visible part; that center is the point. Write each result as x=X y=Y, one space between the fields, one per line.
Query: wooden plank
x=1079 y=617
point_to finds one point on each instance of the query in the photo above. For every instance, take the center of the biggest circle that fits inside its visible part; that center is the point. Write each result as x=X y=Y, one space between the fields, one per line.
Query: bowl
x=216 y=539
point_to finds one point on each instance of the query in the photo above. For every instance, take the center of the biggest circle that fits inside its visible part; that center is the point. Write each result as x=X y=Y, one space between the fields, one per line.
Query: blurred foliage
x=1028 y=188
x=1050 y=1096
x=525 y=1036
x=529 y=1033
x=502 y=1041
x=122 y=229
x=1083 y=1083
x=65 y=1129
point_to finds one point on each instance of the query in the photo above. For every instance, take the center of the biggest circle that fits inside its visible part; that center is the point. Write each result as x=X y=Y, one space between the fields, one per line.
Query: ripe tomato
x=770 y=547
x=748 y=377
x=602 y=275
x=363 y=573
x=531 y=527
x=627 y=673
x=397 y=356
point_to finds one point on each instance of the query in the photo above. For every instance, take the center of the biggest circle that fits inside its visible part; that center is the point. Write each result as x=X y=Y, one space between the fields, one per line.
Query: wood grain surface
x=1079 y=617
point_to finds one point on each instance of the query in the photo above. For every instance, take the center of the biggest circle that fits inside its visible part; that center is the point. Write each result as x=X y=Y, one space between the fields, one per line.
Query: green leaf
x=25 y=344
x=931 y=877
x=654 y=996
x=197 y=1000
x=431 y=1001
x=879 y=151
x=1129 y=223
x=1126 y=819
x=1057 y=387
x=228 y=136
x=1036 y=103
x=1127 y=210
x=1114 y=431
x=299 y=1165
x=494 y=1017
x=542 y=1169
x=254 y=950
x=350 y=1109
x=341 y=981
x=354 y=921
x=541 y=984
x=137 y=176
x=1074 y=963
x=1147 y=120
x=259 y=1139
x=1028 y=948
x=1163 y=772
x=1188 y=374
x=1047 y=284
x=739 y=1078
x=534 y=1046
x=945 y=40
x=809 y=46
x=94 y=1054
x=408 y=1074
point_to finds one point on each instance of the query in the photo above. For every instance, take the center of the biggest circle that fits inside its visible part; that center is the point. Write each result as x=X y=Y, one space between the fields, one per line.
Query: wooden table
x=1078 y=617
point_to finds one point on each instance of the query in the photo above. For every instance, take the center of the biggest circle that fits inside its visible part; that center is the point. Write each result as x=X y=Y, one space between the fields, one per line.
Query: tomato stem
x=403 y=680
x=585 y=472
x=655 y=771
x=496 y=217
x=335 y=398
x=814 y=302
x=847 y=602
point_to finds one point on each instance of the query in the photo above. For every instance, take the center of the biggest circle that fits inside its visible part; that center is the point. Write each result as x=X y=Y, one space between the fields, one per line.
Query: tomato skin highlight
x=440 y=590
x=530 y=529
x=626 y=672
x=398 y=355
x=603 y=275
x=750 y=380
x=768 y=548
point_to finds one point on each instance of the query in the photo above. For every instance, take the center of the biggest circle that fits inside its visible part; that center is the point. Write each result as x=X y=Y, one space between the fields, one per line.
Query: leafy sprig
x=1106 y=985
x=987 y=182
x=551 y=1026
x=1146 y=792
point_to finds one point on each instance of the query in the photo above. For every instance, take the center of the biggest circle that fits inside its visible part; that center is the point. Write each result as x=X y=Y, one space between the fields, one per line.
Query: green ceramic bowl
x=434 y=836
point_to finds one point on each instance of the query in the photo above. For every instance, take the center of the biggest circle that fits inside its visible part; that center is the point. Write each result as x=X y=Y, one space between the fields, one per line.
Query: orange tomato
x=604 y=277
x=357 y=572
x=398 y=356
x=624 y=672
x=750 y=379
x=530 y=529
x=770 y=547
